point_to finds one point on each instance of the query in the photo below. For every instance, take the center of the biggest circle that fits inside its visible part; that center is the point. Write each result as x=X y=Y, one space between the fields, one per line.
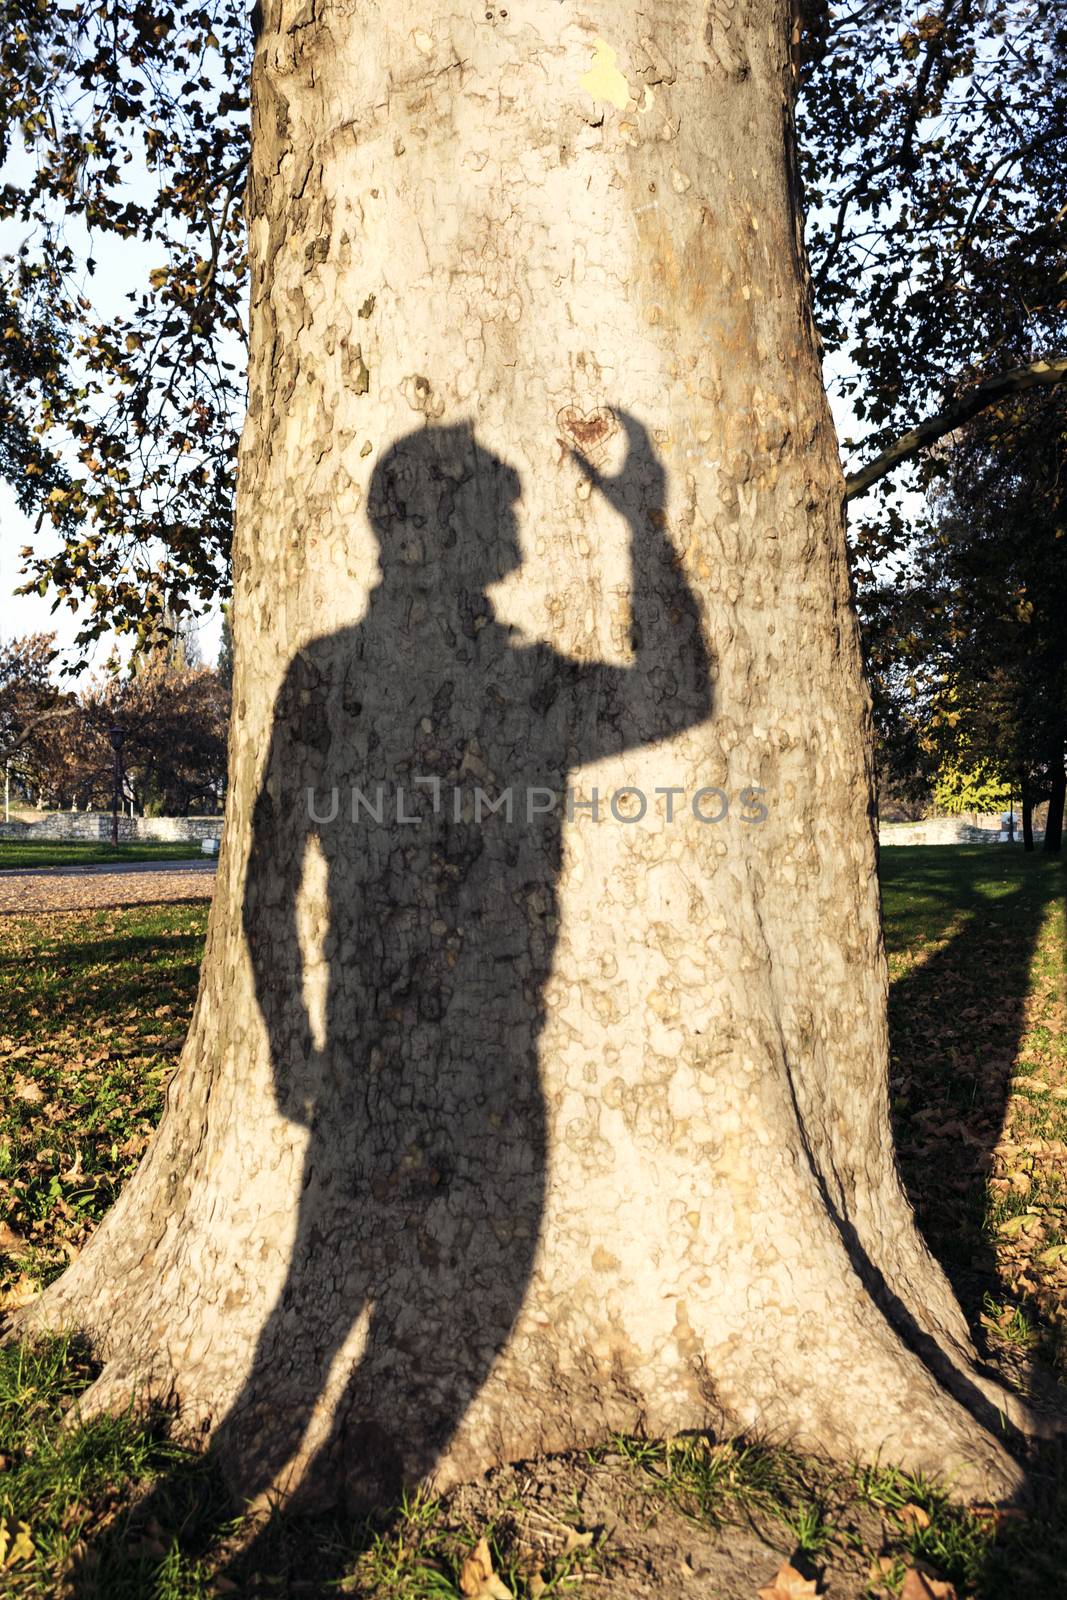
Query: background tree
x=174 y=752
x=966 y=641
x=932 y=142
x=124 y=124
x=176 y=719
x=224 y=665
x=30 y=704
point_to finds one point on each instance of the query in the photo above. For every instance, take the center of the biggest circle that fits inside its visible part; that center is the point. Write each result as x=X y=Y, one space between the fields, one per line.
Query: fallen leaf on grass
x=17 y=1548
x=1021 y=1224
x=26 y=1089
x=22 y=1291
x=11 y=1243
x=789 y=1584
x=477 y=1578
x=917 y=1586
x=577 y=1539
x=913 y=1516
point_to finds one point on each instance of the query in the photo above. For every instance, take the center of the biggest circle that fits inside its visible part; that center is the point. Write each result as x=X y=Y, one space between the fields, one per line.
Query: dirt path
x=91 y=888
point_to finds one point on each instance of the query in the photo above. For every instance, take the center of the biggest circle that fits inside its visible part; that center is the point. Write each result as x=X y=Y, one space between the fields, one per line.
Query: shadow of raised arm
x=668 y=686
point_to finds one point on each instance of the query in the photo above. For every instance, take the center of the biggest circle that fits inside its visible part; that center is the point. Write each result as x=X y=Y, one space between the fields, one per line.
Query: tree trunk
x=494 y=1135
x=1028 y=819
x=1057 y=794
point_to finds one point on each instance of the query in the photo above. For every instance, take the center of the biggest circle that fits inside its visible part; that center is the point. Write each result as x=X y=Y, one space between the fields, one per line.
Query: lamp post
x=118 y=734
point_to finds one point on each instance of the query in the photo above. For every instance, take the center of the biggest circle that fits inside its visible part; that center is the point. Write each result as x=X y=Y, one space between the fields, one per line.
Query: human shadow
x=395 y=744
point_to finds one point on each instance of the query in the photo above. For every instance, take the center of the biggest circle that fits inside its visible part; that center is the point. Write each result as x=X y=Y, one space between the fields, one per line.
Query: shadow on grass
x=957 y=1021
x=101 y=980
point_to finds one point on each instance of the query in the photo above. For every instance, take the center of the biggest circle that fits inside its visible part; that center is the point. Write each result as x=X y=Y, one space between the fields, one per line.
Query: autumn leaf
x=14 y=1550
x=11 y=1243
x=21 y=1292
x=913 y=1517
x=577 y=1539
x=789 y=1584
x=477 y=1579
x=917 y=1586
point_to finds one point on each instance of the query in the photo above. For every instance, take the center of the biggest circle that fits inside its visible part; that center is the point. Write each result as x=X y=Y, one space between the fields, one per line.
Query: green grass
x=94 y=1008
x=976 y=938
x=16 y=853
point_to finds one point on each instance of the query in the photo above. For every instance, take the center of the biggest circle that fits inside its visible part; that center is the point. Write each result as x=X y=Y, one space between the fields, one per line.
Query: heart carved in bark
x=587 y=431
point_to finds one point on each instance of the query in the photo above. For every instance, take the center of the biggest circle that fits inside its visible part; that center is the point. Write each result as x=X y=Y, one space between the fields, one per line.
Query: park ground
x=18 y=855
x=94 y=1006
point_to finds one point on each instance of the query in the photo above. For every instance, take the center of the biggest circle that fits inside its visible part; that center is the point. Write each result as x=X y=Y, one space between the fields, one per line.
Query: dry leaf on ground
x=477 y=1578
x=577 y=1539
x=20 y=1293
x=789 y=1584
x=917 y=1586
x=913 y=1516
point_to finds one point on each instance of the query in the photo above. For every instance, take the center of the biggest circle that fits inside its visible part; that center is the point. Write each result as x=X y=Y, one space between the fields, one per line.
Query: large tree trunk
x=1028 y=819
x=491 y=1137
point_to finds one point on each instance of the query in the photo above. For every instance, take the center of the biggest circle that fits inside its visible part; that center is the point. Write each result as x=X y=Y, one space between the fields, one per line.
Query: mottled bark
x=491 y=1137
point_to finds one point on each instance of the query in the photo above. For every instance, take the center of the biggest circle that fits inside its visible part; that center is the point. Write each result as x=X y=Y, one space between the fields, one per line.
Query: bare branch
x=1037 y=374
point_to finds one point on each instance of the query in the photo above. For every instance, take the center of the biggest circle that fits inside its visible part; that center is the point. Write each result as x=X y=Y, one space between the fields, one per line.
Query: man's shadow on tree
x=424 y=1174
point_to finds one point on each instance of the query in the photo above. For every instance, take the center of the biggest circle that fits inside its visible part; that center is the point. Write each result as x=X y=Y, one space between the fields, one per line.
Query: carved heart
x=587 y=431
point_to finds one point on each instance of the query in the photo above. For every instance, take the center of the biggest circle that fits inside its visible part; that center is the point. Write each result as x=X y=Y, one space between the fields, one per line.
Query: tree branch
x=26 y=733
x=1038 y=374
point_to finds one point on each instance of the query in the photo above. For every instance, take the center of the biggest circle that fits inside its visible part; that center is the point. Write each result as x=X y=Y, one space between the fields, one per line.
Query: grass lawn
x=93 y=1007
x=83 y=853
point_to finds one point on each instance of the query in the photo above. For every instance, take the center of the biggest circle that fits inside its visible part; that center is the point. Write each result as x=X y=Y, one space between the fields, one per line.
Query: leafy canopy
x=123 y=125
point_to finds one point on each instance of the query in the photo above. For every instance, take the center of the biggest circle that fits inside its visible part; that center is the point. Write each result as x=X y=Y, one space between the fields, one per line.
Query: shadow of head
x=442 y=506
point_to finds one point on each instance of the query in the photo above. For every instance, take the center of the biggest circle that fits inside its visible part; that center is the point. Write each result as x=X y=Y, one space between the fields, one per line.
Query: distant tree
x=932 y=144
x=174 y=751
x=224 y=666
x=30 y=704
x=177 y=640
x=175 y=719
x=965 y=641
x=977 y=790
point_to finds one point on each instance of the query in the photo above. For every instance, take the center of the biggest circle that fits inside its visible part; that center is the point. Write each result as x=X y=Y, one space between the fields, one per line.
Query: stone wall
x=96 y=826
x=949 y=830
